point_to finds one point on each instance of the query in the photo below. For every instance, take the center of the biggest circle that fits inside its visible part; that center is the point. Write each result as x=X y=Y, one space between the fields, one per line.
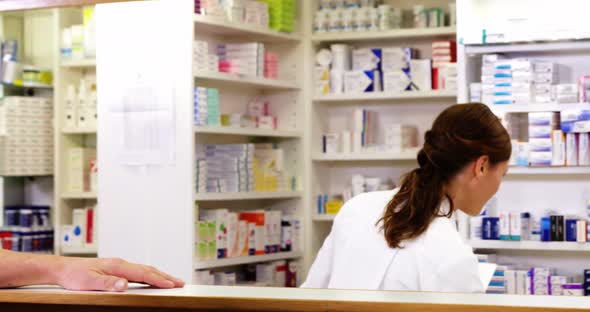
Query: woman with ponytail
x=404 y=239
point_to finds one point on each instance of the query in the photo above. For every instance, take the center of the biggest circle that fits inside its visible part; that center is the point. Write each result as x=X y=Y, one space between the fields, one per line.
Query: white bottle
x=70 y=109
x=84 y=113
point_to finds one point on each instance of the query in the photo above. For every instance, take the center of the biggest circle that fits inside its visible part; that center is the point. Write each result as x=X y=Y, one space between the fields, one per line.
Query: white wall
x=146 y=206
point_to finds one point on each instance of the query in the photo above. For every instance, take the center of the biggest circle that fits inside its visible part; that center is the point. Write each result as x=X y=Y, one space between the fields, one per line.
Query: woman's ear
x=482 y=165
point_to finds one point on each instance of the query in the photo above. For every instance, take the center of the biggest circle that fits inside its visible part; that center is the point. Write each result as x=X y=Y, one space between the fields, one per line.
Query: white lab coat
x=356 y=256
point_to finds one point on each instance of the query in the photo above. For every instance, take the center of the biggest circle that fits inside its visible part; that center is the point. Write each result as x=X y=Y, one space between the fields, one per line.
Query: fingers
x=141 y=273
x=105 y=283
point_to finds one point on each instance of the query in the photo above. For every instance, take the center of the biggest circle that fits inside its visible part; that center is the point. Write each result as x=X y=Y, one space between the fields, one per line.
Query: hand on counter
x=21 y=269
x=110 y=275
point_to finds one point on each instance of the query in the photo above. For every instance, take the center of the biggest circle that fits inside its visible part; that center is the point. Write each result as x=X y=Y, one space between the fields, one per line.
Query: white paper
x=145 y=120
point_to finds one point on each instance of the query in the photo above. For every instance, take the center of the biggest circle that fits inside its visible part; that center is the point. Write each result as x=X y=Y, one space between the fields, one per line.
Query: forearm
x=21 y=269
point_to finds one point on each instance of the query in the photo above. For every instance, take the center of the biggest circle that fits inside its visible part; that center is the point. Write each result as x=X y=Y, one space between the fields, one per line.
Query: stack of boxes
x=565 y=93
x=256 y=13
x=546 y=140
x=80 y=172
x=242 y=168
x=271 y=65
x=203 y=60
x=242 y=58
x=269 y=172
x=366 y=72
x=396 y=69
x=225 y=168
x=227 y=234
x=512 y=81
x=26 y=136
x=545 y=74
x=282 y=15
x=82 y=231
x=214 y=8
x=272 y=274
x=576 y=126
x=206 y=107
x=444 y=67
x=400 y=137
x=27 y=228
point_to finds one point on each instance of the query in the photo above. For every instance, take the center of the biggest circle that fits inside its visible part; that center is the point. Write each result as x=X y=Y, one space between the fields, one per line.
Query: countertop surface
x=285 y=299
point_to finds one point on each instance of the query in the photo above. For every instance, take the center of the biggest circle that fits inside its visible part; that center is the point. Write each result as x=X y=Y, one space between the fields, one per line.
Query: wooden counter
x=218 y=298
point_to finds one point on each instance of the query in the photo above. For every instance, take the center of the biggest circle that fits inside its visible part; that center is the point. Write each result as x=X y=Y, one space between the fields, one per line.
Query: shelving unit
x=70 y=72
x=78 y=131
x=85 y=195
x=382 y=96
x=394 y=34
x=549 y=171
x=530 y=246
x=219 y=263
x=215 y=77
x=202 y=197
x=544 y=107
x=170 y=183
x=254 y=132
x=402 y=156
x=88 y=63
x=536 y=190
x=331 y=173
x=80 y=251
x=207 y=24
x=324 y=218
x=34 y=47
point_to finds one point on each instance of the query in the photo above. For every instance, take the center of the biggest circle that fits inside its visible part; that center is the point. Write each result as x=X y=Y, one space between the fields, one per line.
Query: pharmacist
x=21 y=269
x=404 y=239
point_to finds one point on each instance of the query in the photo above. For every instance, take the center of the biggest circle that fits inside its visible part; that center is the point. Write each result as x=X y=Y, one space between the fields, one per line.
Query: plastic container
x=26 y=217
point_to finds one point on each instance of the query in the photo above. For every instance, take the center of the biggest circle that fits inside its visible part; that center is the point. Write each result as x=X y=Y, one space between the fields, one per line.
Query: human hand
x=109 y=275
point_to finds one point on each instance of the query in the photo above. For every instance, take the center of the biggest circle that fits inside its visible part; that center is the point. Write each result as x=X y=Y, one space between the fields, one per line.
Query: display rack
x=69 y=72
x=254 y=132
x=203 y=197
x=328 y=173
x=233 y=90
x=381 y=96
x=34 y=47
x=215 y=77
x=394 y=34
x=530 y=246
x=220 y=263
x=530 y=189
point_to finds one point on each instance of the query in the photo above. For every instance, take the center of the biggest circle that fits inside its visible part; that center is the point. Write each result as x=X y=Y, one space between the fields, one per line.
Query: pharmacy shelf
x=245 y=80
x=79 y=250
x=381 y=96
x=573 y=45
x=538 y=107
x=219 y=26
x=83 y=195
x=529 y=245
x=32 y=85
x=549 y=171
x=248 y=132
x=245 y=196
x=78 y=131
x=404 y=33
x=405 y=155
x=219 y=263
x=324 y=218
x=84 y=63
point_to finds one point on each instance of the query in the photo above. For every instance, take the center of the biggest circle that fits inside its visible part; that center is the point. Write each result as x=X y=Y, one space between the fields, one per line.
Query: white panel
x=146 y=211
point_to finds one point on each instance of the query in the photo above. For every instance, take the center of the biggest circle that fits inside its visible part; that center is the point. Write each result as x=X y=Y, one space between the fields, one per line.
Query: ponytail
x=415 y=205
x=459 y=135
